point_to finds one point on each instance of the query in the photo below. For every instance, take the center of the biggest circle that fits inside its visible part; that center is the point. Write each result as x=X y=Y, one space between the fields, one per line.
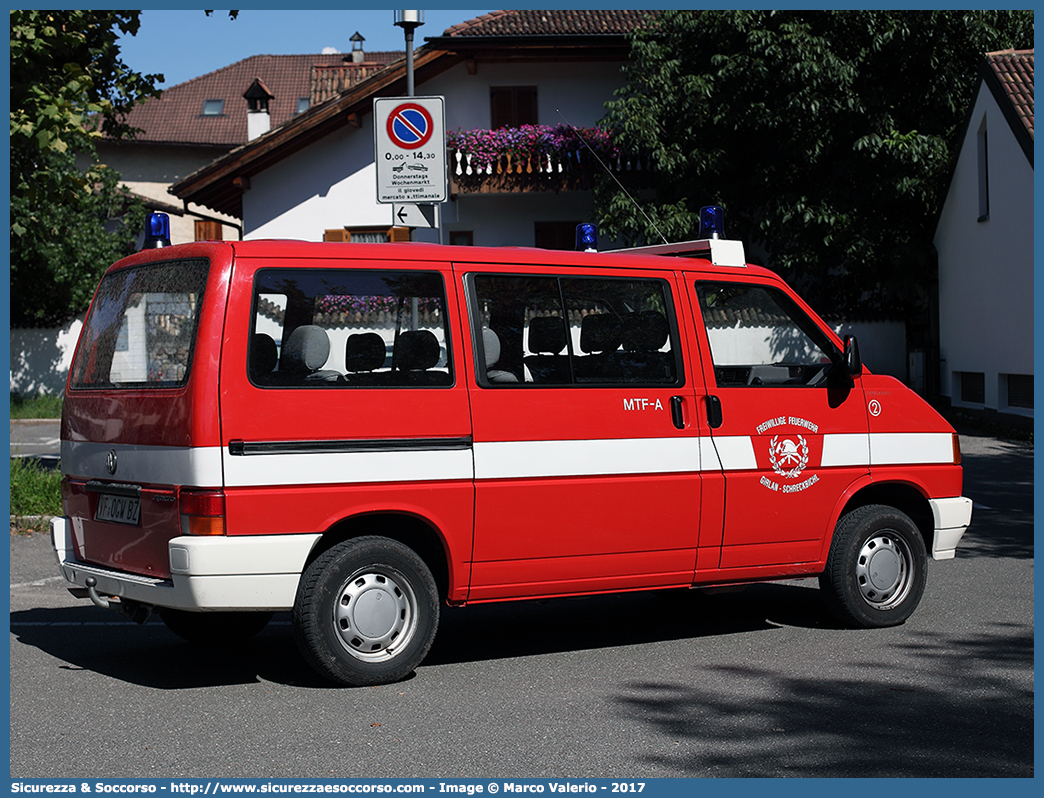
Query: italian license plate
x=118 y=509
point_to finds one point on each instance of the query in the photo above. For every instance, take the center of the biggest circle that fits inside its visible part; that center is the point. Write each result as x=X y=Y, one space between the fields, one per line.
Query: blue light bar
x=157 y=231
x=587 y=237
x=712 y=221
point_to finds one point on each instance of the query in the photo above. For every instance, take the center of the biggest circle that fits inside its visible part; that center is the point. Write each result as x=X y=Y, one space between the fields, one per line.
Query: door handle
x=714 y=417
x=677 y=416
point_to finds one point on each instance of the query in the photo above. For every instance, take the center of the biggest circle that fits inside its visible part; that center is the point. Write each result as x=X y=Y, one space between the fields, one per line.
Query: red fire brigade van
x=359 y=434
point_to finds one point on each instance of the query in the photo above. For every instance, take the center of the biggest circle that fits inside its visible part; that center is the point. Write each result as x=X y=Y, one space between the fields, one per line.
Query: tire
x=366 y=612
x=876 y=569
x=214 y=628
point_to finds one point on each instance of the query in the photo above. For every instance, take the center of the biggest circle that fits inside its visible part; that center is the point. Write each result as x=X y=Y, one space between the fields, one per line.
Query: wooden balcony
x=573 y=172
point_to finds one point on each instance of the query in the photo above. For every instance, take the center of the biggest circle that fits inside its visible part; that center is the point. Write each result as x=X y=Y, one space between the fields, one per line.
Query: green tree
x=826 y=135
x=68 y=88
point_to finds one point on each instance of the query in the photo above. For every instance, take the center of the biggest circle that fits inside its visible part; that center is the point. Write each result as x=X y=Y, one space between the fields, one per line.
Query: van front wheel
x=876 y=569
x=366 y=612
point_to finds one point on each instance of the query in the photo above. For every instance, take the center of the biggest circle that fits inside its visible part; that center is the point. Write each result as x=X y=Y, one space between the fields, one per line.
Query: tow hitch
x=134 y=610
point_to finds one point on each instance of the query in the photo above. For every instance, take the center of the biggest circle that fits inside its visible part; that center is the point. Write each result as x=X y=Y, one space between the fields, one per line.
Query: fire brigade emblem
x=788 y=458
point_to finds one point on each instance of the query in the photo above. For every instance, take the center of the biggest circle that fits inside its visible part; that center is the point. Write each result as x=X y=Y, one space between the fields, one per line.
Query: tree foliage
x=826 y=135
x=68 y=88
x=57 y=264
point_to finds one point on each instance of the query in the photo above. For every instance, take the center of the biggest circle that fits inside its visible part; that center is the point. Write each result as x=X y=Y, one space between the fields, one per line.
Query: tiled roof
x=1013 y=70
x=176 y=117
x=557 y=22
x=330 y=80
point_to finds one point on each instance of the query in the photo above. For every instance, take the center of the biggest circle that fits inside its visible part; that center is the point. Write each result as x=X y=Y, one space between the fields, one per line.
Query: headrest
x=364 y=352
x=416 y=350
x=644 y=332
x=491 y=345
x=599 y=332
x=307 y=349
x=263 y=355
x=547 y=335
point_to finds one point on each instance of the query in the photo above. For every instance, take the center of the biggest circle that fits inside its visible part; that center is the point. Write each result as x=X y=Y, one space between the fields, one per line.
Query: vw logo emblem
x=110 y=461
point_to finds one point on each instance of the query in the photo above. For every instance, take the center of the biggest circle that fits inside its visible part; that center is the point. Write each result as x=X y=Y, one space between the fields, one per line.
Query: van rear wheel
x=366 y=612
x=876 y=569
x=214 y=628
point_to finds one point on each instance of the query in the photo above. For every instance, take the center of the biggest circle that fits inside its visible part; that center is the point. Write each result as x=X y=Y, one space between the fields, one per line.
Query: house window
x=207 y=230
x=1020 y=390
x=512 y=106
x=973 y=387
x=462 y=238
x=982 y=149
x=213 y=107
x=555 y=235
x=302 y=104
x=367 y=235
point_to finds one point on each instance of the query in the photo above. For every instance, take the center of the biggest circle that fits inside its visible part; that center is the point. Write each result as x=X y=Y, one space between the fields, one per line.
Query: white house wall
x=507 y=220
x=332 y=183
x=986 y=268
x=568 y=90
x=149 y=170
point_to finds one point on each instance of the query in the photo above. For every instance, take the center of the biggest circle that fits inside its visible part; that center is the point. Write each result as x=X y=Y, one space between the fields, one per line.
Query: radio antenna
x=614 y=177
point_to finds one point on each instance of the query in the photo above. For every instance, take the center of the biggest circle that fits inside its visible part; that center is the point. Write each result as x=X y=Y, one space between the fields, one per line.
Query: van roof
x=647 y=258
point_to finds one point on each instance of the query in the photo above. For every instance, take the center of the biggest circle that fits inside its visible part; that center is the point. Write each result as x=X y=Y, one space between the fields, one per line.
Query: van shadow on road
x=91 y=639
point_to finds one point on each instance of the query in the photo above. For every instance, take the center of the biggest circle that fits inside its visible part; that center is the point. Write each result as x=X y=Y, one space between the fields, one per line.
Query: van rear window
x=141 y=329
x=348 y=328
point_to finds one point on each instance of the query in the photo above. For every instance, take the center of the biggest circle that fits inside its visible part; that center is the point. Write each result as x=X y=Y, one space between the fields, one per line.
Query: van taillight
x=956 y=449
x=202 y=512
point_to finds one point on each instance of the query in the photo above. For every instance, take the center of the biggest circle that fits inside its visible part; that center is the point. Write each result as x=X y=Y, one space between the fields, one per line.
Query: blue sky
x=185 y=44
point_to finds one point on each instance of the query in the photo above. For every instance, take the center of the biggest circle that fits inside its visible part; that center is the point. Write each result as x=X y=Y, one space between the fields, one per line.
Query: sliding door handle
x=714 y=417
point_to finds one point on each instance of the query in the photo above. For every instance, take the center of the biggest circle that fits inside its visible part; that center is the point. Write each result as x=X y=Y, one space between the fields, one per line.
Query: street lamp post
x=409 y=21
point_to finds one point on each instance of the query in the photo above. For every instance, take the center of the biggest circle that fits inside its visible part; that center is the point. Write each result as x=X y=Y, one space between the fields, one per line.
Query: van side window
x=342 y=328
x=759 y=337
x=568 y=331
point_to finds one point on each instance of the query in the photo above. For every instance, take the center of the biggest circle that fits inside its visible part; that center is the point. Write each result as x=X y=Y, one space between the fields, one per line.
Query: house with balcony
x=523 y=92
x=984 y=238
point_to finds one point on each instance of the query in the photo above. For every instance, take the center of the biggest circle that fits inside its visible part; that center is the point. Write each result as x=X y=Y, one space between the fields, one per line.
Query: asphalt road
x=675 y=684
x=39 y=438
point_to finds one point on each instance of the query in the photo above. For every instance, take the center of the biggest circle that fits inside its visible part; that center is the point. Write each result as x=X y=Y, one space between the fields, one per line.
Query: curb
x=22 y=524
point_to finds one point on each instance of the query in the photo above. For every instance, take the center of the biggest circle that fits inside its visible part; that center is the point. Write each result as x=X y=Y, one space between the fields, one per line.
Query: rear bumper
x=952 y=518
x=221 y=573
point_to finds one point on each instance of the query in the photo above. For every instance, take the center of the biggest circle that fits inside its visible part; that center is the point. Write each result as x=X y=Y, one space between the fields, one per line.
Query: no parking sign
x=410 y=149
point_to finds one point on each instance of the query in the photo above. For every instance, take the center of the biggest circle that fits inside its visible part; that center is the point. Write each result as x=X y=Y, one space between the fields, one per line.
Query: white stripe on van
x=910 y=448
x=576 y=458
x=736 y=452
x=846 y=450
x=484 y=460
x=332 y=468
x=158 y=465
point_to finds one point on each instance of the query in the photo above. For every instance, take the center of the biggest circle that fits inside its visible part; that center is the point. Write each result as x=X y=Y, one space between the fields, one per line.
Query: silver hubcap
x=375 y=614
x=883 y=571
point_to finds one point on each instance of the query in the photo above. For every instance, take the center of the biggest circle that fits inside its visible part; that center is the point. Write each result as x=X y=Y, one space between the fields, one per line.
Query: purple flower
x=530 y=142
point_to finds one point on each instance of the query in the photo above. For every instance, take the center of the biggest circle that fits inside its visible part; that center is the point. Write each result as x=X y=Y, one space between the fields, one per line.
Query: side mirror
x=853 y=363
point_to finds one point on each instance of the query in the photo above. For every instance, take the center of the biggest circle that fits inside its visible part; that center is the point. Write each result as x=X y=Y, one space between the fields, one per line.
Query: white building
x=314 y=177
x=984 y=239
